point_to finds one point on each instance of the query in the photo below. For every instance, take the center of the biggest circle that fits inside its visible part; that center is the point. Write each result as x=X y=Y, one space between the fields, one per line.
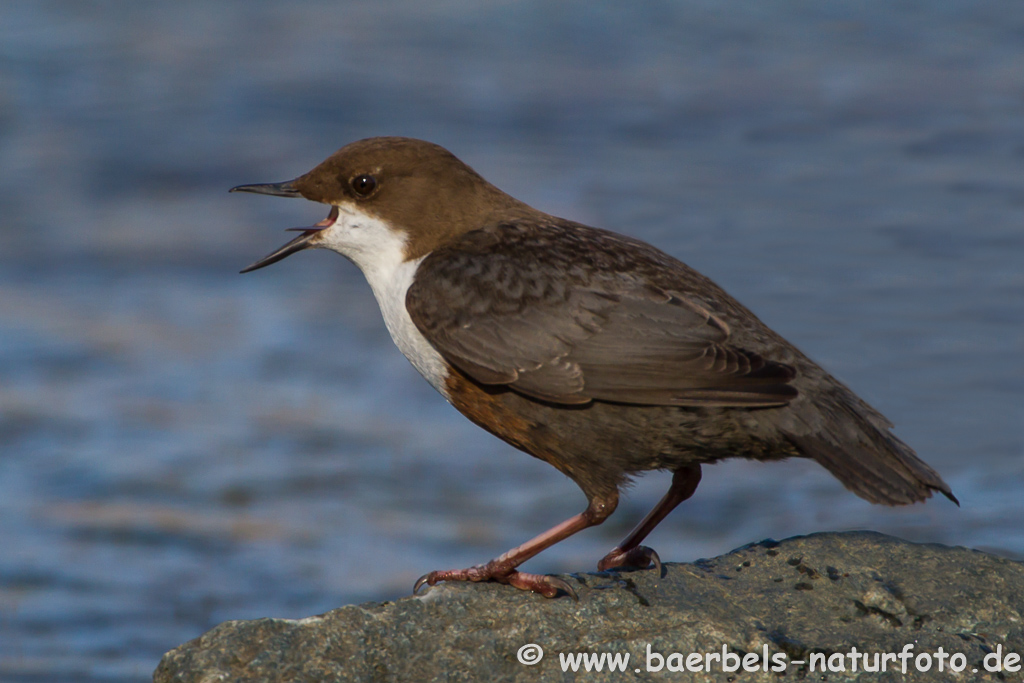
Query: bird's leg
x=503 y=569
x=630 y=553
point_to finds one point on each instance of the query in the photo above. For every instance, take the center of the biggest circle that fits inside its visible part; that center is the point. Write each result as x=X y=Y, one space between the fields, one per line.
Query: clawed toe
x=548 y=586
x=639 y=557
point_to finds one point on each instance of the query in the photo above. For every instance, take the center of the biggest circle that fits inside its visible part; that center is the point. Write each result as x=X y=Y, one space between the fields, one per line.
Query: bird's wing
x=569 y=314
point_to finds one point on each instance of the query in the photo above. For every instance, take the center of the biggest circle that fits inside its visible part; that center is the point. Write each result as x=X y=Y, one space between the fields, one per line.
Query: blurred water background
x=181 y=445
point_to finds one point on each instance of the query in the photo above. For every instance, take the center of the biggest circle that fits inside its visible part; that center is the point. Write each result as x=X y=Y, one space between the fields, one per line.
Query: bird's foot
x=638 y=557
x=502 y=572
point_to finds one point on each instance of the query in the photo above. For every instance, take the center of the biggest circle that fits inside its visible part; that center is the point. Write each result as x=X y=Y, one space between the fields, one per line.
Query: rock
x=809 y=599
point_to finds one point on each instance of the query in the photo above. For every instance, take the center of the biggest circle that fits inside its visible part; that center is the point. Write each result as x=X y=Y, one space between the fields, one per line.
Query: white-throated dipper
x=592 y=351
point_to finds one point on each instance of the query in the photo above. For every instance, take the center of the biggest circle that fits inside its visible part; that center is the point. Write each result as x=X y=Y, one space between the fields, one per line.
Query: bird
x=593 y=351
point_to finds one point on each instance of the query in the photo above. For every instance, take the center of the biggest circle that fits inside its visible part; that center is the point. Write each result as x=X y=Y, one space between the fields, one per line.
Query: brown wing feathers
x=580 y=331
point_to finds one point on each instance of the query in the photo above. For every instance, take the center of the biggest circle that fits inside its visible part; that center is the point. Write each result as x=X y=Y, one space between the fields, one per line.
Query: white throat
x=379 y=252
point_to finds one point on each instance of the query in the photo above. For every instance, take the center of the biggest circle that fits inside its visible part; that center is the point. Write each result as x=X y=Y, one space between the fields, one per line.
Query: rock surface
x=824 y=594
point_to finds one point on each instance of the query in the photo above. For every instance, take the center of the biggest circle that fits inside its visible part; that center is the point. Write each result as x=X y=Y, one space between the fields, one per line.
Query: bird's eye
x=364 y=185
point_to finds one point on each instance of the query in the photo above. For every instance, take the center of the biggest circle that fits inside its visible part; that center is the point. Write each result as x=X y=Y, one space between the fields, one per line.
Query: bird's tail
x=876 y=466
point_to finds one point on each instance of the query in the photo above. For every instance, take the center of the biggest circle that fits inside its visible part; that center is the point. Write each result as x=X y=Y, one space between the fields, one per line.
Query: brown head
x=387 y=193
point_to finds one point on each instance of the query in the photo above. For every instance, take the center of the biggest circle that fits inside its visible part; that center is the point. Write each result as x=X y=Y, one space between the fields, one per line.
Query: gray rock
x=808 y=597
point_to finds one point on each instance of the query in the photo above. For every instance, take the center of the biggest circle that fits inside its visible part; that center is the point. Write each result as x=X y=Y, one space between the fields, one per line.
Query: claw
x=425 y=579
x=656 y=561
x=563 y=586
x=639 y=557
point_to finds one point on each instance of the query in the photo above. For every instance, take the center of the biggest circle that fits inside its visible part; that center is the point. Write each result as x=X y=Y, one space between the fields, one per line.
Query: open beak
x=303 y=241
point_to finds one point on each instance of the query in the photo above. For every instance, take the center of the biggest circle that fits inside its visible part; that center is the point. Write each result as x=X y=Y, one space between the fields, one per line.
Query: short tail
x=881 y=470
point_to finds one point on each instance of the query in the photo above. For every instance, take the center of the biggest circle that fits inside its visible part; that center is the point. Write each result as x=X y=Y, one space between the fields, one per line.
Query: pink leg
x=503 y=569
x=630 y=553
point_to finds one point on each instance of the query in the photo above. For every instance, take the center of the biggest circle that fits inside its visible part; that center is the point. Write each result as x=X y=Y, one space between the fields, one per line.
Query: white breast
x=379 y=252
x=391 y=299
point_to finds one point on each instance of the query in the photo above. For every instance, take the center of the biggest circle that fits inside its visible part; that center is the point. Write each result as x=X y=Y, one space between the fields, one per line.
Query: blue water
x=181 y=445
